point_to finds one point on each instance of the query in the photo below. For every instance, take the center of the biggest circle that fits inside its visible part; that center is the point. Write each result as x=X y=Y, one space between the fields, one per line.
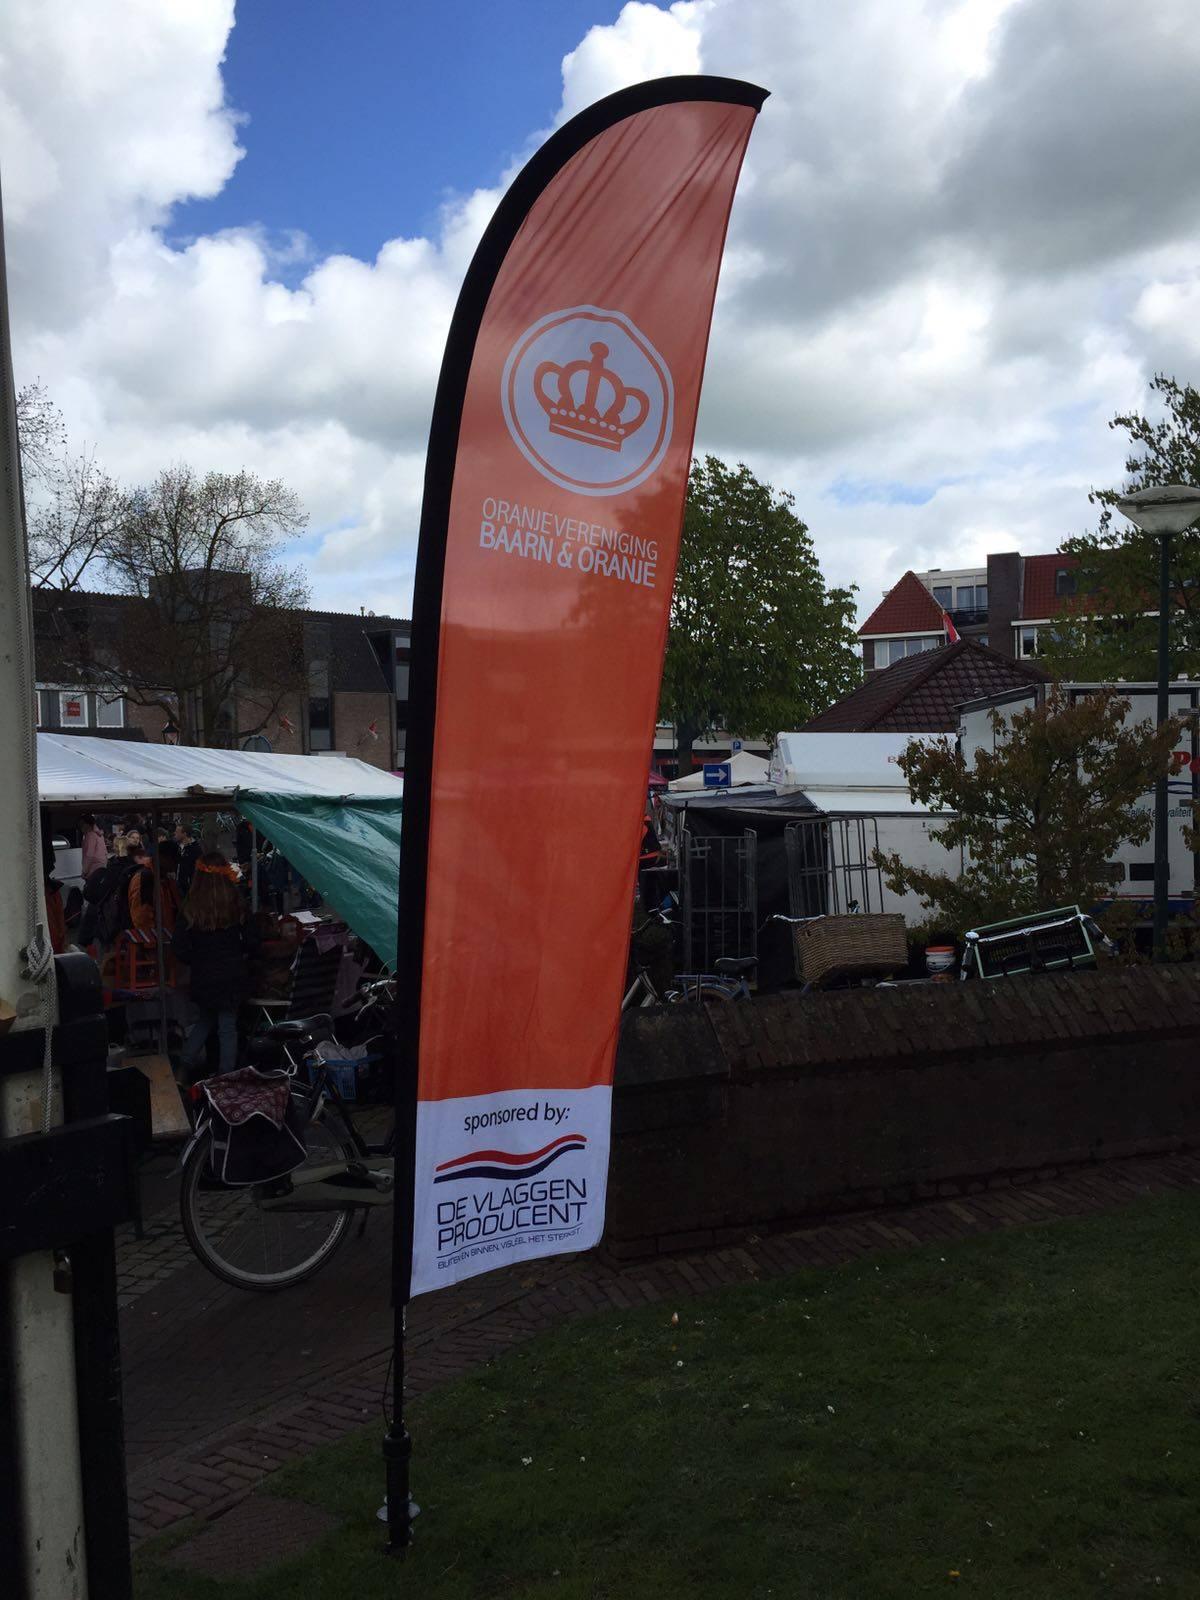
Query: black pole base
x=397 y=1453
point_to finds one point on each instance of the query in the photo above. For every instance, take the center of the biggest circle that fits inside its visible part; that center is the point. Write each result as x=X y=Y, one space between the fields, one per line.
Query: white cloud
x=966 y=235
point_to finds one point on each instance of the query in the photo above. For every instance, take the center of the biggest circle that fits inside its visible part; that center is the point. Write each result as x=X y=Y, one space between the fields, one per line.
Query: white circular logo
x=588 y=400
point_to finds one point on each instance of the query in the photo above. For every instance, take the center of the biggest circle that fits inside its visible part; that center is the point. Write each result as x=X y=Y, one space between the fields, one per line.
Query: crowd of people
x=199 y=895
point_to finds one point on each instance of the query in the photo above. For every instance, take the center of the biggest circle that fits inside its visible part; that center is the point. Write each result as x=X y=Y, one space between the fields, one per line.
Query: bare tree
x=210 y=627
x=72 y=505
x=71 y=522
x=208 y=623
x=41 y=432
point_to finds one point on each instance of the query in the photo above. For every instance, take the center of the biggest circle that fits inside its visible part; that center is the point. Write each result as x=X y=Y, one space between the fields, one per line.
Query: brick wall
x=353 y=713
x=150 y=719
x=251 y=711
x=755 y=1114
x=1004 y=600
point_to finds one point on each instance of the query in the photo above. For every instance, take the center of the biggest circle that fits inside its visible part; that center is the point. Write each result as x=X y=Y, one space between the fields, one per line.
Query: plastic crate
x=1047 y=941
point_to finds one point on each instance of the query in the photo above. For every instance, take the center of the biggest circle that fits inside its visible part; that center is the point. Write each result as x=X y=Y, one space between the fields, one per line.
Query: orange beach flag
x=554 y=497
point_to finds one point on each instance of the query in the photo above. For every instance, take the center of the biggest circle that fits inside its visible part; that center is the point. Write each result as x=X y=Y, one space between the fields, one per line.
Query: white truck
x=855 y=783
x=1133 y=865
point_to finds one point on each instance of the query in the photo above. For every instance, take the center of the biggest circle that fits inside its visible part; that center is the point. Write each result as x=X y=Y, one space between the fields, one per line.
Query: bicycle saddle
x=735 y=966
x=301 y=1028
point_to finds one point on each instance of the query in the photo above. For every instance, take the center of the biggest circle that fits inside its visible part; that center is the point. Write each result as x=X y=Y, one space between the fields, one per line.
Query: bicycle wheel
x=255 y=1249
x=704 y=994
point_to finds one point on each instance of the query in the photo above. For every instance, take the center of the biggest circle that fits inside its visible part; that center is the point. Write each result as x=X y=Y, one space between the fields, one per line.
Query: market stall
x=745 y=771
x=335 y=818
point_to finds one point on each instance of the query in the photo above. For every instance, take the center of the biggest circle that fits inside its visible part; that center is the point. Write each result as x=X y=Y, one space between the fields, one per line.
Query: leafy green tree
x=1111 y=627
x=757 y=643
x=1040 y=816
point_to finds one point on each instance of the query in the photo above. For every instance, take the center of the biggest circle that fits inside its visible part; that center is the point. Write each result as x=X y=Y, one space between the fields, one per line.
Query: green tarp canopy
x=347 y=849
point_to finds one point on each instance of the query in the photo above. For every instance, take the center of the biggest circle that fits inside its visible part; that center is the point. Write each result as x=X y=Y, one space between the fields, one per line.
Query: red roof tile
x=1038 y=598
x=922 y=693
x=907 y=608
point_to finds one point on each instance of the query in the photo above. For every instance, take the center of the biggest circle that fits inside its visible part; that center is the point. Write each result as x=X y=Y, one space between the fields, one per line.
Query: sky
x=966 y=235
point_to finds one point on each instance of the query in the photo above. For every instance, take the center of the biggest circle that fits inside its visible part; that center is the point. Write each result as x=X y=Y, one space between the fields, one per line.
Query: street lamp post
x=1162 y=511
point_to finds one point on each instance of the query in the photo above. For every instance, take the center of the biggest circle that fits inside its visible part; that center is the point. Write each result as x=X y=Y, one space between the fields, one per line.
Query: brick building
x=1006 y=606
x=351 y=696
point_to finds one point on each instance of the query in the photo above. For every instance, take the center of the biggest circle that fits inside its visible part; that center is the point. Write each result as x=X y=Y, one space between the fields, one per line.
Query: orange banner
x=554 y=501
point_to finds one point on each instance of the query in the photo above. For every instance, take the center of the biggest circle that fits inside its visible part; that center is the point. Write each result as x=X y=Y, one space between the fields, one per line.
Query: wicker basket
x=856 y=946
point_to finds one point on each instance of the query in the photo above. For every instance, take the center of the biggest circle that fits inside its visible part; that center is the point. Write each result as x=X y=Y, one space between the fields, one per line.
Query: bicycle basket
x=865 y=945
x=342 y=1063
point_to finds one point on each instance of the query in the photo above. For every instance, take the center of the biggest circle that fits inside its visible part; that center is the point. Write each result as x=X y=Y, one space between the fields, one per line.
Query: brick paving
x=223 y=1387
x=259 y=1532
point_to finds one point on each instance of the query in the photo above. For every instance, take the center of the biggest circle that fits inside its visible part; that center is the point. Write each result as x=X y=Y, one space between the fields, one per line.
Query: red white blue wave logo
x=506 y=1164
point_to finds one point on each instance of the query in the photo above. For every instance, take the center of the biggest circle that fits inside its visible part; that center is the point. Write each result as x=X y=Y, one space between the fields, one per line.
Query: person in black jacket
x=189 y=854
x=243 y=845
x=213 y=938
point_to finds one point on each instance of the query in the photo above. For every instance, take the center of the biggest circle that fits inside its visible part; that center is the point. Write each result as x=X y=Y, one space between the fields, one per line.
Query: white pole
x=40 y=1332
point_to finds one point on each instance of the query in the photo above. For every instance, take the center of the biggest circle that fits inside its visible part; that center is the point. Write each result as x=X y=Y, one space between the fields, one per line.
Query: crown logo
x=586 y=400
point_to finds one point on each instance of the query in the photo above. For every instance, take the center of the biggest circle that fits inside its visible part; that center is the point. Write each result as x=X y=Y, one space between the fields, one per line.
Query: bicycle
x=269 y=1236
x=727 y=982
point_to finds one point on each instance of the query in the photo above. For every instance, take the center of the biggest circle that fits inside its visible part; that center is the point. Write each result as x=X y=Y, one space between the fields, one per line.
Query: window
x=1027 y=643
x=320 y=723
x=320 y=704
x=72 y=708
x=1141 y=872
x=110 y=713
x=971 y=597
x=943 y=594
x=1064 y=583
x=897 y=649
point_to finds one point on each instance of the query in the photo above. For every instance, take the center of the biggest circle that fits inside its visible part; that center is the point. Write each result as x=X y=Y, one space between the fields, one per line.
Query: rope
x=36 y=954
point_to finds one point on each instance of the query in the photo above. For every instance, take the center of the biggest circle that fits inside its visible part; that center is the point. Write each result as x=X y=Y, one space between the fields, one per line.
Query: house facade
x=1008 y=605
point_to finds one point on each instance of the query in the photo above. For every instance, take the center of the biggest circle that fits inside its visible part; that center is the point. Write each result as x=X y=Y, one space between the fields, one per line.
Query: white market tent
x=336 y=819
x=745 y=770
x=74 y=769
x=848 y=773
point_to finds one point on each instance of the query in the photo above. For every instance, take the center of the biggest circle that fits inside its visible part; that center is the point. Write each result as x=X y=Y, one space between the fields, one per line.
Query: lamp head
x=1163 y=508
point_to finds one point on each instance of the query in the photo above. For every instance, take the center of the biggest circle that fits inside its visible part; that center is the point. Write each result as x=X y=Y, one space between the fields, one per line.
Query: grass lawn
x=1016 y=1416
